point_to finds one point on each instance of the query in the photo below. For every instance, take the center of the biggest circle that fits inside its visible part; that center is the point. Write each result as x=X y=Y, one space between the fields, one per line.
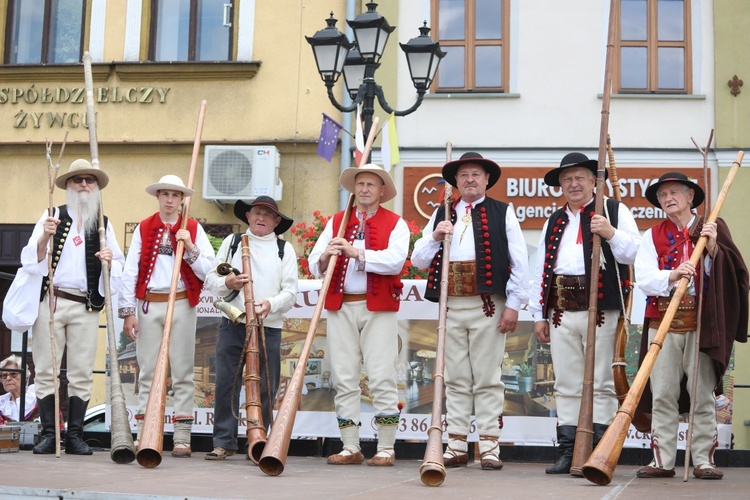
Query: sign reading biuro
x=529 y=411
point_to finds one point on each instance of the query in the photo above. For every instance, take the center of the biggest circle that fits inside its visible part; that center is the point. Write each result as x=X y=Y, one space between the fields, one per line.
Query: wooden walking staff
x=602 y=463
x=432 y=470
x=274 y=454
x=152 y=437
x=585 y=431
x=52 y=171
x=122 y=450
x=699 y=313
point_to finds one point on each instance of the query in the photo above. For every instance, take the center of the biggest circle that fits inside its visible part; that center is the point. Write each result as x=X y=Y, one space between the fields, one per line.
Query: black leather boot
x=46 y=443
x=74 y=443
x=599 y=430
x=566 y=440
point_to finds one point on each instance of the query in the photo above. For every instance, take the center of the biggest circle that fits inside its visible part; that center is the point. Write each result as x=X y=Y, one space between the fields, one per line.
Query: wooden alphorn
x=122 y=449
x=432 y=470
x=274 y=455
x=585 y=431
x=256 y=429
x=152 y=437
x=601 y=464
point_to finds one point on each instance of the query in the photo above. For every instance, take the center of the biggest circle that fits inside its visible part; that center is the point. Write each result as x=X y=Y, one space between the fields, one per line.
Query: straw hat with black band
x=82 y=167
x=349 y=176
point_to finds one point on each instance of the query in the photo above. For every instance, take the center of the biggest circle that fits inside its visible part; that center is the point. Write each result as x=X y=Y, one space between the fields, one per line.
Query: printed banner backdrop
x=529 y=413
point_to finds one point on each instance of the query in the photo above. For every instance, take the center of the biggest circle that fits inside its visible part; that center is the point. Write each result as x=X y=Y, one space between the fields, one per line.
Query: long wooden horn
x=256 y=430
x=641 y=421
x=274 y=455
x=152 y=436
x=601 y=464
x=432 y=470
x=51 y=177
x=122 y=450
x=585 y=431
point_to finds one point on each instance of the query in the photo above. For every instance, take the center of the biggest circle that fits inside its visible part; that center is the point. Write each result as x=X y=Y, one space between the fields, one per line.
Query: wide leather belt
x=685 y=319
x=164 y=297
x=569 y=293
x=70 y=296
x=354 y=297
x=462 y=279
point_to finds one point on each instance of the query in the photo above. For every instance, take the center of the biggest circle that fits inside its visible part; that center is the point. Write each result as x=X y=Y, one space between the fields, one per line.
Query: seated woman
x=11 y=400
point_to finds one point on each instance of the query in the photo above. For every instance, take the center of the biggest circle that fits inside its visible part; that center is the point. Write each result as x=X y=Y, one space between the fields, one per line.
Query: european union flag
x=329 y=136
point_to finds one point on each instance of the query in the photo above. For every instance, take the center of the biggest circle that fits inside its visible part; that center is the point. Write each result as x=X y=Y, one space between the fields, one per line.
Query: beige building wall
x=731 y=18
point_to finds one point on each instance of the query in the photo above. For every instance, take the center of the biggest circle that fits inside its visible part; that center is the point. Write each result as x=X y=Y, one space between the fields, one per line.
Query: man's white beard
x=85 y=207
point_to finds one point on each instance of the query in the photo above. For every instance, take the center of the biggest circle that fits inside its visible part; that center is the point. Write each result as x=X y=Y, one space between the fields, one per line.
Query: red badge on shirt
x=77 y=240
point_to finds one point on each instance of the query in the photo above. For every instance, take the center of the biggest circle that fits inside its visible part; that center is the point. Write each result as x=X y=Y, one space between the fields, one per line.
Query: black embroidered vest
x=93 y=264
x=608 y=295
x=490 y=245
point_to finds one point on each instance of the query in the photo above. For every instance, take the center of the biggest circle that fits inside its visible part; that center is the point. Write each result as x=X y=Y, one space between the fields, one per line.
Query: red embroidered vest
x=152 y=230
x=669 y=242
x=383 y=292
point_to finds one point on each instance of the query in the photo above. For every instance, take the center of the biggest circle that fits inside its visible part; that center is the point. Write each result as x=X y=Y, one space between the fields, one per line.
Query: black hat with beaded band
x=679 y=177
x=571 y=160
x=242 y=207
x=451 y=168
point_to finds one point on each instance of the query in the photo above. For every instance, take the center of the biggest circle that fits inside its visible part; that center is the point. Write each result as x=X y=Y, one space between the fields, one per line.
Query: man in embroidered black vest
x=362 y=304
x=486 y=291
x=274 y=270
x=146 y=282
x=662 y=261
x=559 y=295
x=78 y=298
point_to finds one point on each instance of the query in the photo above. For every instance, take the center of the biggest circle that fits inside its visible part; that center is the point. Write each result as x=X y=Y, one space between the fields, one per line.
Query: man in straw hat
x=145 y=297
x=663 y=260
x=79 y=296
x=273 y=264
x=559 y=295
x=486 y=291
x=362 y=304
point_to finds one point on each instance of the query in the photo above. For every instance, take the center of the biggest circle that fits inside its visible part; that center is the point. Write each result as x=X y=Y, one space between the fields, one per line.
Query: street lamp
x=335 y=54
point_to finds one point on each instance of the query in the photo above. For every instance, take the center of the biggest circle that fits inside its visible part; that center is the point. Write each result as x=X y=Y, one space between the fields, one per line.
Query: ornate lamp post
x=358 y=61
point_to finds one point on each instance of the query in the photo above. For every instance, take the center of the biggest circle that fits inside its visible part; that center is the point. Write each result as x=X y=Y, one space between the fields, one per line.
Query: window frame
x=470 y=43
x=192 y=31
x=44 y=59
x=652 y=45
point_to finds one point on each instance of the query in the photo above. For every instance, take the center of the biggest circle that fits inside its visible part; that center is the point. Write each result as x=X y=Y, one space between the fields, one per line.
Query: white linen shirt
x=463 y=249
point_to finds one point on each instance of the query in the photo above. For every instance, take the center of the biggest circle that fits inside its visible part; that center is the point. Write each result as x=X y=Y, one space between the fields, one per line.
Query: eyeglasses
x=9 y=375
x=79 y=179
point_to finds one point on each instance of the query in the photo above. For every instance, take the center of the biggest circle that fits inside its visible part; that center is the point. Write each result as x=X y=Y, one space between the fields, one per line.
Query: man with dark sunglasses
x=79 y=297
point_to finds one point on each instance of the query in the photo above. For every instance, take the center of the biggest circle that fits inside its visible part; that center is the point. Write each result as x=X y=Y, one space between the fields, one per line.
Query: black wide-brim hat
x=571 y=160
x=242 y=207
x=492 y=168
x=679 y=177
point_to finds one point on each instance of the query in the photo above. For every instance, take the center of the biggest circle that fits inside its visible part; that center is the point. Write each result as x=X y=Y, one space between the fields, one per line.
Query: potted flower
x=525 y=374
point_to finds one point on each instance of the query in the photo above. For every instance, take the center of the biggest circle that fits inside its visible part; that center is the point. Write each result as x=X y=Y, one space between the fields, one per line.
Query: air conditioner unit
x=232 y=173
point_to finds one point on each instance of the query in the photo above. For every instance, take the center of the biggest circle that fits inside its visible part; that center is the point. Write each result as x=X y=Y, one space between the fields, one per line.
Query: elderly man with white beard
x=79 y=296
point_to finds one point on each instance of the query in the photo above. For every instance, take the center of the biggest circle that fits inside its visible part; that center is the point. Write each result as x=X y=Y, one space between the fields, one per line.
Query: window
x=652 y=49
x=191 y=30
x=474 y=35
x=45 y=31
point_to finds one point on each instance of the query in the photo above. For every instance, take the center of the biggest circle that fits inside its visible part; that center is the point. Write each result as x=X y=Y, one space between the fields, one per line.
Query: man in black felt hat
x=663 y=260
x=486 y=291
x=274 y=268
x=559 y=295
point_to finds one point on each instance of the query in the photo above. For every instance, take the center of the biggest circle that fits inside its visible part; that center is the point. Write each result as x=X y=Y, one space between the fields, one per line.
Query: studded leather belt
x=685 y=319
x=462 y=279
x=569 y=293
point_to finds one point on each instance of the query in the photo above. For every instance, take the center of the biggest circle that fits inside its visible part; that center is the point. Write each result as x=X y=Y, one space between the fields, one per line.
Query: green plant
x=525 y=370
